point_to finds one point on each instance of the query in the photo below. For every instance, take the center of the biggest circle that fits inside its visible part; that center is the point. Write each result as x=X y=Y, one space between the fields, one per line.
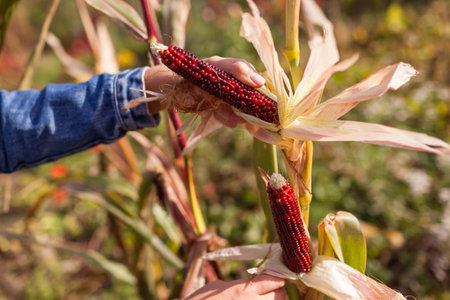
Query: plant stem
x=292 y=51
x=199 y=221
x=305 y=199
x=153 y=31
x=25 y=82
x=176 y=121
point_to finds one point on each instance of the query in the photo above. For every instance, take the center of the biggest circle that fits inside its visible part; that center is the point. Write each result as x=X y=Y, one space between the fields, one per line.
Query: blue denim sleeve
x=41 y=126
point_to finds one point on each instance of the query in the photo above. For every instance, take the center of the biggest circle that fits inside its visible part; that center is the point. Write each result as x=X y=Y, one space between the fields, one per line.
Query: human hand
x=160 y=77
x=258 y=288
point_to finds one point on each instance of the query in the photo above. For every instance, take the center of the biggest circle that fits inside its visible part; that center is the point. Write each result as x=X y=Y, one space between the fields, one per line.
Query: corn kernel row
x=219 y=84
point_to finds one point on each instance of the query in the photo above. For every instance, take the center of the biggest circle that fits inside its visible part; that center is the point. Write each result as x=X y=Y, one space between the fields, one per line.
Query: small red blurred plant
x=60 y=195
x=58 y=171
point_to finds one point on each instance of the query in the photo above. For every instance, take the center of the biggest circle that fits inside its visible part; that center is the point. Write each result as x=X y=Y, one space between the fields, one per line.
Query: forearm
x=40 y=126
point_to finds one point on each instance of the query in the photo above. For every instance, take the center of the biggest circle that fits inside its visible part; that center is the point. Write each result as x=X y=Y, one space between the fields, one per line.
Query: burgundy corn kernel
x=219 y=83
x=296 y=252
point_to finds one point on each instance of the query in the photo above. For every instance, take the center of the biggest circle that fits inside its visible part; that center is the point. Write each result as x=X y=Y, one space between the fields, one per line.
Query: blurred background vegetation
x=401 y=197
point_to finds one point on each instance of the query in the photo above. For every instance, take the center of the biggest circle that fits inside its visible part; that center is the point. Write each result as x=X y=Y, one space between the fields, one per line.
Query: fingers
x=239 y=68
x=259 y=287
x=263 y=284
x=279 y=294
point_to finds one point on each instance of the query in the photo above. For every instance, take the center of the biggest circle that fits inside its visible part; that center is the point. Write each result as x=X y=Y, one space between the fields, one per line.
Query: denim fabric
x=41 y=126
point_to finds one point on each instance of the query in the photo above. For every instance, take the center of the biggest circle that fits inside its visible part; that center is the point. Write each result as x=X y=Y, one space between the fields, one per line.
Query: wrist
x=159 y=79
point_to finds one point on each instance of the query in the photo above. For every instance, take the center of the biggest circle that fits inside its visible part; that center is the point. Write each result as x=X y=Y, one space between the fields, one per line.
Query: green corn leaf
x=345 y=235
x=102 y=184
x=265 y=157
x=118 y=193
x=144 y=189
x=117 y=270
x=137 y=226
x=160 y=216
x=6 y=10
x=167 y=224
x=123 y=13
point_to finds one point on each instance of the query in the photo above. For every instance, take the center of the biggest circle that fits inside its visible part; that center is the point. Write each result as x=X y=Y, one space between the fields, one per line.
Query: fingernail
x=257 y=79
x=252 y=66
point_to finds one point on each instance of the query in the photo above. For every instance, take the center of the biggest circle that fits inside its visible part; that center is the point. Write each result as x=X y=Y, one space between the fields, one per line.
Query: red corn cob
x=288 y=221
x=218 y=83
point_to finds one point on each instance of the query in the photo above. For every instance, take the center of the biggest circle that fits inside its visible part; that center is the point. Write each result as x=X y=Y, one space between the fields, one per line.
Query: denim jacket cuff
x=128 y=85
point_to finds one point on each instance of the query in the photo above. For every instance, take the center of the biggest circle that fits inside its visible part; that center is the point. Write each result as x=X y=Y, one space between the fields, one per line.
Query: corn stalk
x=292 y=51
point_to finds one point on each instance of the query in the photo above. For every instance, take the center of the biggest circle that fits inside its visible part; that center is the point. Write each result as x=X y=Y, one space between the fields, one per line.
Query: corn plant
x=156 y=206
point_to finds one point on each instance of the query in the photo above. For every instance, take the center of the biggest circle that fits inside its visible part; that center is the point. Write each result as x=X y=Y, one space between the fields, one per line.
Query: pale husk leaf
x=257 y=31
x=249 y=252
x=389 y=78
x=264 y=135
x=340 y=281
x=256 y=121
x=324 y=52
x=305 y=128
x=275 y=267
x=314 y=15
x=310 y=101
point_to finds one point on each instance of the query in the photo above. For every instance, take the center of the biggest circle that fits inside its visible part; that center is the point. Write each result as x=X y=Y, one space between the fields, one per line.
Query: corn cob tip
x=277 y=181
x=156 y=47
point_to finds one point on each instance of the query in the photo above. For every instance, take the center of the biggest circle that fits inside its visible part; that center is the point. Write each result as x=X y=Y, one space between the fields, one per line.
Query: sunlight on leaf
x=345 y=235
x=167 y=224
x=124 y=14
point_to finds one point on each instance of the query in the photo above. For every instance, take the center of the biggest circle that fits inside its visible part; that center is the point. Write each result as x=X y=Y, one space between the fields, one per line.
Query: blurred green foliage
x=402 y=196
x=6 y=11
